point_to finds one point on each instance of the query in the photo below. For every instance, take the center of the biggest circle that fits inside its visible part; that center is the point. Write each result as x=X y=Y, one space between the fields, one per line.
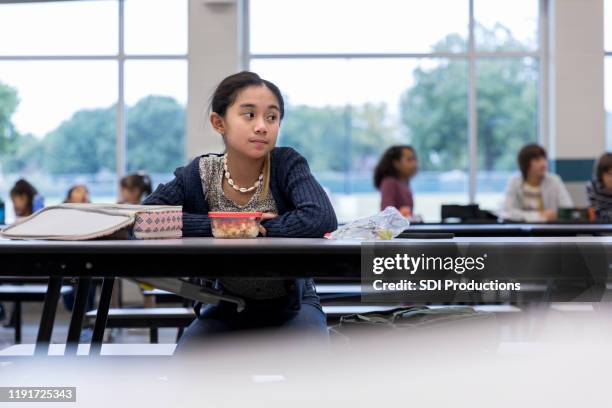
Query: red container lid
x=214 y=214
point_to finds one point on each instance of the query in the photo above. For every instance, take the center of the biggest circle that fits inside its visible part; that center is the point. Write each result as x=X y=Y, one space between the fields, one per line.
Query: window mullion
x=472 y=109
x=121 y=133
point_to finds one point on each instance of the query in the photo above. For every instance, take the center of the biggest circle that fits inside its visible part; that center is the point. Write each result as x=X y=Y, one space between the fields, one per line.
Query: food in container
x=235 y=224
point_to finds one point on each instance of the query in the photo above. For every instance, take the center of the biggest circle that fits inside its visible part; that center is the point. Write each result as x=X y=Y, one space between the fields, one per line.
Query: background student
x=535 y=195
x=23 y=195
x=78 y=194
x=134 y=188
x=392 y=177
x=599 y=190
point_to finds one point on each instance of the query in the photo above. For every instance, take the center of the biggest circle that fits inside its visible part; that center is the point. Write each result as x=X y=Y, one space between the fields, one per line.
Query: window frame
x=120 y=58
x=471 y=55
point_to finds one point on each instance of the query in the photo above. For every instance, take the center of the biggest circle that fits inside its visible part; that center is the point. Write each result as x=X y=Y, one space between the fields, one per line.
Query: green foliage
x=507 y=112
x=433 y=116
x=25 y=156
x=86 y=143
x=434 y=111
x=336 y=138
x=155 y=135
x=82 y=144
x=8 y=105
x=370 y=131
x=318 y=134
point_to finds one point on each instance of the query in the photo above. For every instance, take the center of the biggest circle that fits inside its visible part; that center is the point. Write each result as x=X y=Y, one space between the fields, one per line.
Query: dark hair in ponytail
x=226 y=93
x=140 y=182
x=228 y=89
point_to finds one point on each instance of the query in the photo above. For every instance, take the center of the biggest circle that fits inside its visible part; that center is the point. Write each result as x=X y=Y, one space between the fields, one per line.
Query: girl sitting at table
x=392 y=177
x=253 y=175
x=599 y=190
x=79 y=194
x=133 y=188
x=22 y=195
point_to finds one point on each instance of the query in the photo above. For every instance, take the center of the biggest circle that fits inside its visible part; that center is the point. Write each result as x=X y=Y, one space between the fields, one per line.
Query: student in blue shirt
x=253 y=175
x=23 y=195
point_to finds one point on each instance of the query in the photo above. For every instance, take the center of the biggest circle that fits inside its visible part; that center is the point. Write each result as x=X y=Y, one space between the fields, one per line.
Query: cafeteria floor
x=513 y=324
x=553 y=356
x=31 y=319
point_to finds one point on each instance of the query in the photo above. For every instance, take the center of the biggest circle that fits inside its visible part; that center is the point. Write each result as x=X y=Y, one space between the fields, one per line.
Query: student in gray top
x=535 y=195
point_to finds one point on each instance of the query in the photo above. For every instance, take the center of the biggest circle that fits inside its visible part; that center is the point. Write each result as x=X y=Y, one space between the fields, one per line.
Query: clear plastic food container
x=235 y=224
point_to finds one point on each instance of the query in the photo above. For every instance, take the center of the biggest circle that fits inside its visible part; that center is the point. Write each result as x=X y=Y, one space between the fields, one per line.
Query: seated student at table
x=599 y=190
x=253 y=175
x=77 y=194
x=134 y=188
x=22 y=195
x=392 y=177
x=535 y=195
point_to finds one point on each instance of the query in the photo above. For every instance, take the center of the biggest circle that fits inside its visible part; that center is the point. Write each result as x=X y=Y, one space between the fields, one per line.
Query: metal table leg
x=17 y=312
x=153 y=335
x=101 y=316
x=47 y=318
x=78 y=312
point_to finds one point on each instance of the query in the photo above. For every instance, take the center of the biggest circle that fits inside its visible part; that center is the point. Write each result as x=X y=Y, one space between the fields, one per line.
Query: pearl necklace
x=231 y=182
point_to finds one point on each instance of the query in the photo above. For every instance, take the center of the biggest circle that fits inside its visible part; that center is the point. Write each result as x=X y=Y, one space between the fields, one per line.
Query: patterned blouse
x=211 y=174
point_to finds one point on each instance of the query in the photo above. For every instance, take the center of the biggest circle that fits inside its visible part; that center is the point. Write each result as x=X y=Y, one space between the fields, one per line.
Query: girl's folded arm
x=313 y=215
x=196 y=225
x=173 y=193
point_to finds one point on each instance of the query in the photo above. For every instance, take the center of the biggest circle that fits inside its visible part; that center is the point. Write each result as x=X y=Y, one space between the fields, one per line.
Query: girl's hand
x=549 y=215
x=265 y=217
x=405 y=211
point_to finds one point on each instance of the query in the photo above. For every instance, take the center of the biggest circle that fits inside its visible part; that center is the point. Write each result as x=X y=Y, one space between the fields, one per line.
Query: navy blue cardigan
x=303 y=207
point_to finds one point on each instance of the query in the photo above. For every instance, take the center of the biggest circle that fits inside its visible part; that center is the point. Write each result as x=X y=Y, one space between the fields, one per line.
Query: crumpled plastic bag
x=387 y=224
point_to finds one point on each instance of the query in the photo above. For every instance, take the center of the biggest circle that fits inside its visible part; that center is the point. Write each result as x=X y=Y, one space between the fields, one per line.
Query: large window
x=98 y=90
x=457 y=79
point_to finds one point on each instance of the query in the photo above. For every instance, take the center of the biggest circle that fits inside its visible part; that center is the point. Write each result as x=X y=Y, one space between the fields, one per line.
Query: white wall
x=214 y=40
x=577 y=118
x=576 y=83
